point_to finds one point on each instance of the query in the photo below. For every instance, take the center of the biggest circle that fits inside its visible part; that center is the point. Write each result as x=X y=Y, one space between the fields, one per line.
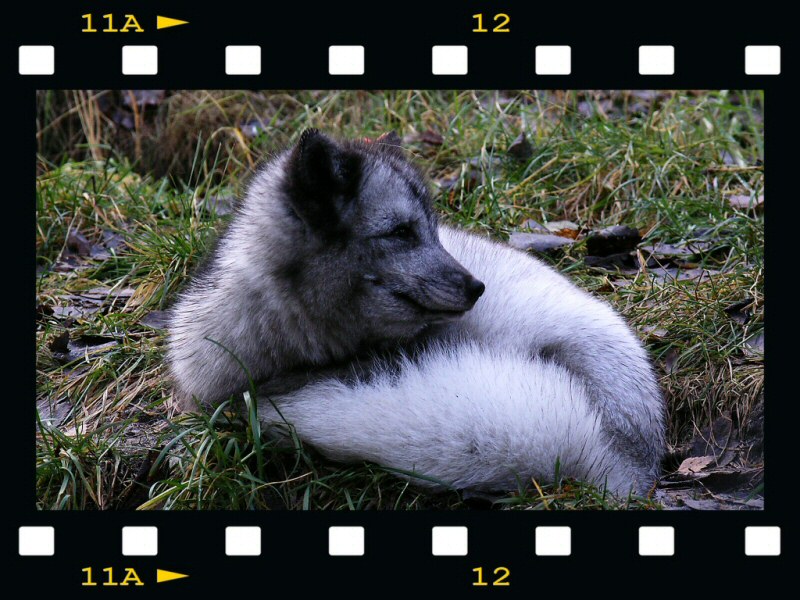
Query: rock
x=521 y=149
x=543 y=243
x=612 y=240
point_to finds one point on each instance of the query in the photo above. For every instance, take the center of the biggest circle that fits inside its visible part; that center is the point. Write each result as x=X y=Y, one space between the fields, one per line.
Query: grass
x=665 y=163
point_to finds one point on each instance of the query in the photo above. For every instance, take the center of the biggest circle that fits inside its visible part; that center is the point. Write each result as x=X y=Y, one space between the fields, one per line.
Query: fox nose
x=474 y=288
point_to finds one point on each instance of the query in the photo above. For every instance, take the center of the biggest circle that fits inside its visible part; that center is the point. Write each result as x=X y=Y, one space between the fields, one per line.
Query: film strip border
x=240 y=541
x=445 y=60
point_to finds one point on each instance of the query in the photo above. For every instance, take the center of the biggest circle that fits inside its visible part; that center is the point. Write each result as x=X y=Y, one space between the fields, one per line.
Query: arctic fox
x=379 y=335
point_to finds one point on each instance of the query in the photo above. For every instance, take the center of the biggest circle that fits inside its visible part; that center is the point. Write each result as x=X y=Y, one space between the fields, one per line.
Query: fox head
x=367 y=255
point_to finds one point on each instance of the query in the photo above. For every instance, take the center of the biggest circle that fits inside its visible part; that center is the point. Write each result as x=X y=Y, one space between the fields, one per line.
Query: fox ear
x=390 y=138
x=323 y=177
x=389 y=142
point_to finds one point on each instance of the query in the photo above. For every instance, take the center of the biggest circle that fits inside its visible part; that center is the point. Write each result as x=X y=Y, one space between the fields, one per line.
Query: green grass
x=663 y=163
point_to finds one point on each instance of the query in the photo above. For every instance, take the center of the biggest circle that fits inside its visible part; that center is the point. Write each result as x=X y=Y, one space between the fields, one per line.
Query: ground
x=132 y=186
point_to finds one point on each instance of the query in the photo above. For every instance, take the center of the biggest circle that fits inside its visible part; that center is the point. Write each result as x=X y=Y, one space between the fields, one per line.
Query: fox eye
x=403 y=232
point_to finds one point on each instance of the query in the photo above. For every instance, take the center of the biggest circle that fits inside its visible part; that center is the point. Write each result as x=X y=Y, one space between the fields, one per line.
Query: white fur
x=538 y=372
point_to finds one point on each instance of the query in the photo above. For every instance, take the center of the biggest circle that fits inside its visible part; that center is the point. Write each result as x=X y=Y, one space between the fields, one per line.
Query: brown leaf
x=695 y=464
x=566 y=229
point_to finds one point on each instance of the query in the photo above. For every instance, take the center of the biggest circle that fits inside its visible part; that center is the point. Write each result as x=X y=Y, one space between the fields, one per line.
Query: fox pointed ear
x=390 y=138
x=323 y=177
x=388 y=142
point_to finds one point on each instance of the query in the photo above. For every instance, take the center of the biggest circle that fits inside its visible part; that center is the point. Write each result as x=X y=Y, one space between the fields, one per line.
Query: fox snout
x=462 y=292
x=442 y=295
x=473 y=288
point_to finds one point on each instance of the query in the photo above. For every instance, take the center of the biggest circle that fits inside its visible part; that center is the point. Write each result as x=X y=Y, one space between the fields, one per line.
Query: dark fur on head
x=334 y=249
x=368 y=221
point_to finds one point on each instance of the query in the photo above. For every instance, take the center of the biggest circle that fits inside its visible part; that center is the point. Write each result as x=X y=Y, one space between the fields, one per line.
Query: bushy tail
x=466 y=416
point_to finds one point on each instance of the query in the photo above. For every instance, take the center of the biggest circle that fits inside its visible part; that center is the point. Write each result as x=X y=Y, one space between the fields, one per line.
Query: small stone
x=612 y=240
x=543 y=243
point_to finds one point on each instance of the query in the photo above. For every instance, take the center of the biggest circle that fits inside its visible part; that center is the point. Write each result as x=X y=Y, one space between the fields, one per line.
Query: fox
x=374 y=333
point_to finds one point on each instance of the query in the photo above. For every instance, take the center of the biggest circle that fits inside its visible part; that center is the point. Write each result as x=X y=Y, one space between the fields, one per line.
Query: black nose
x=474 y=288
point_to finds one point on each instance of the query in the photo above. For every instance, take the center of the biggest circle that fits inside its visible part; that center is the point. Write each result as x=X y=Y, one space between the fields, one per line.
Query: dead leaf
x=74 y=311
x=741 y=311
x=53 y=412
x=533 y=226
x=543 y=243
x=60 y=343
x=744 y=202
x=695 y=464
x=754 y=346
x=83 y=346
x=78 y=244
x=157 y=319
x=671 y=361
x=701 y=504
x=671 y=274
x=654 y=331
x=566 y=229
x=686 y=249
x=113 y=240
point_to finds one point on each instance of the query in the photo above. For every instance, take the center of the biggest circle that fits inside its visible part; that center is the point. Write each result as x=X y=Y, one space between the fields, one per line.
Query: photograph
x=399 y=300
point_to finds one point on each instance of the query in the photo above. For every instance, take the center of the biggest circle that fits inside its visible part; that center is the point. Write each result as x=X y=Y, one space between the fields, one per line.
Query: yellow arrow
x=162 y=576
x=164 y=22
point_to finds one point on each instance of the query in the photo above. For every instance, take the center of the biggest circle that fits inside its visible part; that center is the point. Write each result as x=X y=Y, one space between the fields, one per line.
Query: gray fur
x=341 y=296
